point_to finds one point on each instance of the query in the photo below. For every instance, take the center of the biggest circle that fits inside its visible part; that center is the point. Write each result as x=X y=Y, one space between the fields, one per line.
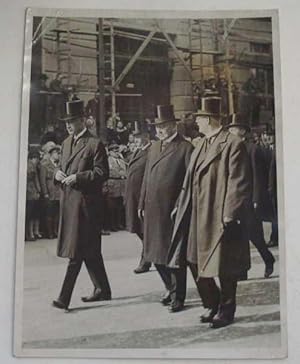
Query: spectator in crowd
x=33 y=191
x=50 y=191
x=259 y=192
x=116 y=187
x=92 y=107
x=91 y=125
x=58 y=96
x=49 y=135
x=135 y=174
x=72 y=95
x=122 y=133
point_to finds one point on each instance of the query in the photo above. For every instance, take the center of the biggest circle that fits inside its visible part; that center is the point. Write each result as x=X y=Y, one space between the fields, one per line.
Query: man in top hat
x=83 y=169
x=259 y=192
x=166 y=166
x=209 y=226
x=135 y=174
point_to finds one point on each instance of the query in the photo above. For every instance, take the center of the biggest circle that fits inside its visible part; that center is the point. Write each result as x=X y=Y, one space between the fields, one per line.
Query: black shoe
x=176 y=306
x=143 y=268
x=269 y=269
x=208 y=315
x=97 y=296
x=166 y=299
x=224 y=317
x=219 y=322
x=60 y=304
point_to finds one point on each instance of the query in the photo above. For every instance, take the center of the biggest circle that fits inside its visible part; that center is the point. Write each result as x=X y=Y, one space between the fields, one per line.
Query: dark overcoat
x=48 y=187
x=162 y=182
x=224 y=181
x=80 y=204
x=135 y=174
x=260 y=175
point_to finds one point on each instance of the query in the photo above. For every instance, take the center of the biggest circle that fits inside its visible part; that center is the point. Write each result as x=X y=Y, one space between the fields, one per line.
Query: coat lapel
x=137 y=155
x=158 y=155
x=215 y=149
x=80 y=144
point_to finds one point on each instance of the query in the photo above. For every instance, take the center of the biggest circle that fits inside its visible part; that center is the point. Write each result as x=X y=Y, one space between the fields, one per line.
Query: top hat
x=165 y=114
x=238 y=120
x=73 y=110
x=210 y=106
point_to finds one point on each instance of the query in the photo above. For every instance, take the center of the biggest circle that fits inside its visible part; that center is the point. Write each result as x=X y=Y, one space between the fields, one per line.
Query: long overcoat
x=135 y=174
x=260 y=174
x=224 y=185
x=80 y=204
x=162 y=182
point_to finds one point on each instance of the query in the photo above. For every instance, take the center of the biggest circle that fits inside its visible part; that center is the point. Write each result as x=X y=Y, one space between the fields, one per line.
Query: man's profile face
x=239 y=132
x=74 y=126
x=165 y=130
x=202 y=123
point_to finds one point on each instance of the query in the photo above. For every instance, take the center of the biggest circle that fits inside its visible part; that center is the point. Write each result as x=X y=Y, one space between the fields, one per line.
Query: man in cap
x=259 y=192
x=209 y=230
x=166 y=166
x=83 y=170
x=135 y=174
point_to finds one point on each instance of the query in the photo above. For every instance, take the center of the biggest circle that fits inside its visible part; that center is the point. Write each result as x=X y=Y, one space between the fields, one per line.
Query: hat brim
x=69 y=118
x=239 y=125
x=159 y=121
x=205 y=113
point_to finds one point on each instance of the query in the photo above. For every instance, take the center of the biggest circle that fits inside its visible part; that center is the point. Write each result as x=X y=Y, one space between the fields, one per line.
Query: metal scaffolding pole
x=113 y=76
x=101 y=96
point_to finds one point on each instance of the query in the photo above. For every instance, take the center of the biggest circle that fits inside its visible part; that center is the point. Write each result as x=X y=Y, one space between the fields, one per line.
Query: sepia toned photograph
x=151 y=212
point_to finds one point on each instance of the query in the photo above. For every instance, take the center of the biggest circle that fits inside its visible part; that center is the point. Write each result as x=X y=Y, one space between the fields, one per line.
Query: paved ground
x=134 y=318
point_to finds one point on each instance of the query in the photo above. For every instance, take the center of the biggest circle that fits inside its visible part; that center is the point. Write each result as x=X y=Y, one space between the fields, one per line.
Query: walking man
x=166 y=166
x=135 y=174
x=259 y=192
x=83 y=169
x=210 y=224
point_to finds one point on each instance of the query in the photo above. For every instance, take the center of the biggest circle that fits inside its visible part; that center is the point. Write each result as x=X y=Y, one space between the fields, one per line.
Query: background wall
x=11 y=39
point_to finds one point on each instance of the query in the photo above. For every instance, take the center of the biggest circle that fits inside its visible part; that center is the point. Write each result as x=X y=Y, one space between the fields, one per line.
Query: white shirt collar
x=170 y=138
x=214 y=133
x=76 y=137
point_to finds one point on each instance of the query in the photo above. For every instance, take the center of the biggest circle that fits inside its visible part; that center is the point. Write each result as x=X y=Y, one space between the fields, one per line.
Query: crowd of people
x=195 y=192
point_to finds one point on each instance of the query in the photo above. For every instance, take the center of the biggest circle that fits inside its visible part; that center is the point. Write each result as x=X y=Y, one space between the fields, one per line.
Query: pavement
x=134 y=318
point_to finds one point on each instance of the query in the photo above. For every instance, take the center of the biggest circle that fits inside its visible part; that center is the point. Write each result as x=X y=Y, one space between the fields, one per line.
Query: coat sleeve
x=239 y=185
x=99 y=171
x=43 y=180
x=141 y=204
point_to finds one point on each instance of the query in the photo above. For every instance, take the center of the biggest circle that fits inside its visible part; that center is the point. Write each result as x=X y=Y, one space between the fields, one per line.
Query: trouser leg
x=143 y=263
x=174 y=281
x=165 y=275
x=208 y=290
x=178 y=280
x=256 y=235
x=71 y=275
x=96 y=269
x=228 y=297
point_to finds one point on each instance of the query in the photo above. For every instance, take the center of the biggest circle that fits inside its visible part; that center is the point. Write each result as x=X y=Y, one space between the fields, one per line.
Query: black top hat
x=73 y=110
x=210 y=106
x=238 y=120
x=165 y=114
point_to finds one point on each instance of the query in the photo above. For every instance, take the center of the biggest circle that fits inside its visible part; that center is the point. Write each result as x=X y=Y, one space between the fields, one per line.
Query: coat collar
x=80 y=144
x=215 y=149
x=138 y=154
x=158 y=155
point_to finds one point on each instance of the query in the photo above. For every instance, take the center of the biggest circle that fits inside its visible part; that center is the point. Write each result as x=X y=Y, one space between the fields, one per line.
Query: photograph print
x=150 y=218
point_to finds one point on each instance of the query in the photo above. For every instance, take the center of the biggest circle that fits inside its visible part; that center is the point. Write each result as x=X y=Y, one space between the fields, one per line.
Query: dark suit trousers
x=256 y=236
x=211 y=295
x=97 y=273
x=174 y=281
